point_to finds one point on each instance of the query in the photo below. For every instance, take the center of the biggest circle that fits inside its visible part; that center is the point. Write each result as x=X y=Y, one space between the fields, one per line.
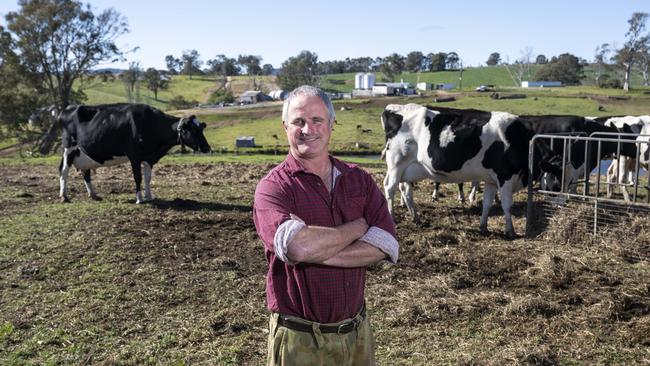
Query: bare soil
x=181 y=280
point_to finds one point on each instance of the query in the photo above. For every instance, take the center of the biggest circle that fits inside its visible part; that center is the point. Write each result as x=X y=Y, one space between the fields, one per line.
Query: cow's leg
x=625 y=176
x=137 y=177
x=506 y=205
x=436 y=191
x=407 y=196
x=64 y=169
x=391 y=183
x=402 y=189
x=89 y=186
x=473 y=192
x=611 y=176
x=146 y=169
x=461 y=193
x=488 y=197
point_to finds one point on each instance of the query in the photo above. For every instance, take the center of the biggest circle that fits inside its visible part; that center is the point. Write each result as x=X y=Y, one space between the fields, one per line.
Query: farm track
x=181 y=280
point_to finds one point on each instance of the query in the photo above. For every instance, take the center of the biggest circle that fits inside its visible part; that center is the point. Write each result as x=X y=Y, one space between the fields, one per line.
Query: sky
x=336 y=29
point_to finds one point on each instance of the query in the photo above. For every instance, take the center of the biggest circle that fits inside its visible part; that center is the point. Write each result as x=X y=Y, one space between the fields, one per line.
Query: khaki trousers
x=288 y=347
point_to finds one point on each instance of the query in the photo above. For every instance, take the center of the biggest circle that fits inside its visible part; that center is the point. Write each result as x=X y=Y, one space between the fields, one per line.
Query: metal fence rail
x=585 y=197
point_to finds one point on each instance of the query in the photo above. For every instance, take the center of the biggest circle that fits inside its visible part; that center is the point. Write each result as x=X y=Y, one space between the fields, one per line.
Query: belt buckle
x=343 y=328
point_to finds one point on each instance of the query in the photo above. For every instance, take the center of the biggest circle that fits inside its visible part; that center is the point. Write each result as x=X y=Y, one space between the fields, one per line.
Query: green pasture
x=225 y=128
x=471 y=78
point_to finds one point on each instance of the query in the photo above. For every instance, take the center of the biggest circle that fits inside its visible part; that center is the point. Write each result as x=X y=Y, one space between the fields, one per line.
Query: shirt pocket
x=352 y=207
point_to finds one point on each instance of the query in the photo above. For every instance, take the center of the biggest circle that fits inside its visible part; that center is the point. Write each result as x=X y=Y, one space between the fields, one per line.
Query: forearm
x=315 y=244
x=357 y=254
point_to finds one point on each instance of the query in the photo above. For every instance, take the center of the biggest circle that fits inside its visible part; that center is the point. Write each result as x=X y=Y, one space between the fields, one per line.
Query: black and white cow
x=478 y=146
x=577 y=166
x=106 y=135
x=415 y=172
x=622 y=168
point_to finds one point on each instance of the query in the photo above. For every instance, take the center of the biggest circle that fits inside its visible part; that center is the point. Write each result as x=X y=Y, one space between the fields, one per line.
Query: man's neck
x=320 y=166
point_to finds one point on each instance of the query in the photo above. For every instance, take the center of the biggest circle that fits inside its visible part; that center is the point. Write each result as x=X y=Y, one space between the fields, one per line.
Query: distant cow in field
x=106 y=135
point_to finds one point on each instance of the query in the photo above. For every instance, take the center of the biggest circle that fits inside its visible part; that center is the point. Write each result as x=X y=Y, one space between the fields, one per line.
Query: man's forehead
x=307 y=102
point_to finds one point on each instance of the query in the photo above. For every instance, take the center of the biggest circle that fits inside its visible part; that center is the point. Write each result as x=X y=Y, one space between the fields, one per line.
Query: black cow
x=106 y=135
x=452 y=146
x=577 y=166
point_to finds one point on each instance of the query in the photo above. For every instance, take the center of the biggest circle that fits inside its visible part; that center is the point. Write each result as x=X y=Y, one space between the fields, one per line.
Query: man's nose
x=306 y=128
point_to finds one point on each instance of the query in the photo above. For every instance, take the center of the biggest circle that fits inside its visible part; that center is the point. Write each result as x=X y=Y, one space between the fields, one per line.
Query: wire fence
x=585 y=203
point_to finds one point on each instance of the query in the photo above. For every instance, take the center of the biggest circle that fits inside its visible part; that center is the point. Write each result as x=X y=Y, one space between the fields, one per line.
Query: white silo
x=369 y=80
x=358 y=81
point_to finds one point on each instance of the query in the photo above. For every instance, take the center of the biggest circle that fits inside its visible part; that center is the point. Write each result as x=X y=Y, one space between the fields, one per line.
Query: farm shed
x=401 y=88
x=540 y=84
x=245 y=141
x=445 y=86
x=253 y=96
x=424 y=86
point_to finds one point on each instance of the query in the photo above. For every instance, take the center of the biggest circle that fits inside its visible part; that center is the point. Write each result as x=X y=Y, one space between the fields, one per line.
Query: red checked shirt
x=319 y=293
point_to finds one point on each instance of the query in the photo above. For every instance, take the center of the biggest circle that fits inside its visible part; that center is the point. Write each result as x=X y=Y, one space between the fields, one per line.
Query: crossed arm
x=334 y=246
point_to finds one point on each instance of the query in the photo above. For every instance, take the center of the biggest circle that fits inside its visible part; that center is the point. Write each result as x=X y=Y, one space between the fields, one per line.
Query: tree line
x=49 y=49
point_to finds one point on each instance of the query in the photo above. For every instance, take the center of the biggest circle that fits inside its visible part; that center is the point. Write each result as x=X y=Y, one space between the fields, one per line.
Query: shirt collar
x=293 y=166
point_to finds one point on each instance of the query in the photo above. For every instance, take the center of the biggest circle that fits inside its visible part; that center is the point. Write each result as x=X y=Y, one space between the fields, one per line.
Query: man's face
x=308 y=127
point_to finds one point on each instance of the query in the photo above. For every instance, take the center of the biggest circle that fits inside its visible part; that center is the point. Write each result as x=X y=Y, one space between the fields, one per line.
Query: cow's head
x=190 y=133
x=43 y=117
x=552 y=173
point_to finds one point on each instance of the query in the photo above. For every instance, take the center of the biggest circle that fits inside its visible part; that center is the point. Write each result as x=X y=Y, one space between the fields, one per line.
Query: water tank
x=369 y=80
x=358 y=81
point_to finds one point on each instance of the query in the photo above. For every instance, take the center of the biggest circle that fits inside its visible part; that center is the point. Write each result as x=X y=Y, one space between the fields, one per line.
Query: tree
x=267 y=69
x=494 y=59
x=520 y=71
x=299 y=70
x=636 y=41
x=392 y=65
x=601 y=66
x=251 y=64
x=541 y=60
x=174 y=64
x=438 y=61
x=131 y=80
x=414 y=61
x=644 y=63
x=19 y=95
x=452 y=61
x=154 y=81
x=566 y=68
x=191 y=63
x=59 y=41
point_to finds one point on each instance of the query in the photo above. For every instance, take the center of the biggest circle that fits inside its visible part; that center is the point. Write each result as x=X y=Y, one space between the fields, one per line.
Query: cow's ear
x=547 y=166
x=202 y=125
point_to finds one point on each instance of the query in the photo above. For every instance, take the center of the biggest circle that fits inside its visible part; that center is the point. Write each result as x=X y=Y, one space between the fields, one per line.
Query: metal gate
x=587 y=196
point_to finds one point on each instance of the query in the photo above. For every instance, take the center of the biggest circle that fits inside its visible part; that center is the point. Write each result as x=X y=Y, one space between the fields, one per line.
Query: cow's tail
x=383 y=151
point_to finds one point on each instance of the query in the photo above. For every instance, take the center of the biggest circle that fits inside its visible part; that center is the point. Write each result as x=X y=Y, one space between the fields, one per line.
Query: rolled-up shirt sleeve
x=382 y=233
x=382 y=240
x=283 y=236
x=270 y=210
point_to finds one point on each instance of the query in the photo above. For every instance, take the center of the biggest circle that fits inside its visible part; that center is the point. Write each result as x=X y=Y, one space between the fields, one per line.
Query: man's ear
x=284 y=125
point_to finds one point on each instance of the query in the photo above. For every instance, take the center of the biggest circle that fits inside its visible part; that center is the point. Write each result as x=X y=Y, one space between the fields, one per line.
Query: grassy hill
x=197 y=89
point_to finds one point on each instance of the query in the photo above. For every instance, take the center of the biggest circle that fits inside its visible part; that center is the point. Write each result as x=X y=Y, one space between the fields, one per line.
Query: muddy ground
x=181 y=280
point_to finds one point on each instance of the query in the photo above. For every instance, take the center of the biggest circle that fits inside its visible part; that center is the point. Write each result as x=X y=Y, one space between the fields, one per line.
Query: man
x=322 y=223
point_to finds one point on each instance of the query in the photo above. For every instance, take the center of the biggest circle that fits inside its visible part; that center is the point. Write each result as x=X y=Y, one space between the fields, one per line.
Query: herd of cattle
x=463 y=145
x=422 y=142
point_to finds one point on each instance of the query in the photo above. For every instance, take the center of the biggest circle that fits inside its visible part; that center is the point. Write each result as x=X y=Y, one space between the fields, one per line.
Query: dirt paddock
x=181 y=280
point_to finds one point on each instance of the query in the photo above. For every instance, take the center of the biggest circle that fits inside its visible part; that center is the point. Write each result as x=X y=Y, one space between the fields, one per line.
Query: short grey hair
x=310 y=91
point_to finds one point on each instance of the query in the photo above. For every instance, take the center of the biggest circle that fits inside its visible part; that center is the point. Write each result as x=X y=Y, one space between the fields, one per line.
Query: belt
x=343 y=328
